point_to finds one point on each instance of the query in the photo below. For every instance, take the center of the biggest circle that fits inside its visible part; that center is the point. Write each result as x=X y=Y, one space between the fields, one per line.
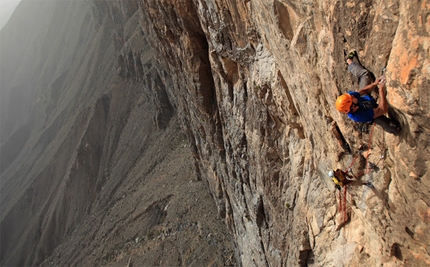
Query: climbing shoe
x=352 y=54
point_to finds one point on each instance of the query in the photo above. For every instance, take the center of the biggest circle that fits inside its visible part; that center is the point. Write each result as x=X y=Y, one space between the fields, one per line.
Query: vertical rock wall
x=256 y=83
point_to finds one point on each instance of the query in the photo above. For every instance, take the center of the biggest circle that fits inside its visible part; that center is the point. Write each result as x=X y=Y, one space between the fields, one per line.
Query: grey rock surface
x=86 y=110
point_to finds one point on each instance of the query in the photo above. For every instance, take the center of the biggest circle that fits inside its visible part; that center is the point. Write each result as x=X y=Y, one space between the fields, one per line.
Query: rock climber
x=361 y=106
x=341 y=178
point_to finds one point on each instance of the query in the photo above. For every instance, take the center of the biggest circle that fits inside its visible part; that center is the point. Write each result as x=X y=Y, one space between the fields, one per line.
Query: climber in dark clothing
x=341 y=178
x=361 y=106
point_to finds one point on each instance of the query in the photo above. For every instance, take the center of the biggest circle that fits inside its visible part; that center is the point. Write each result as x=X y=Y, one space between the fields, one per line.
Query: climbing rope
x=342 y=204
x=343 y=192
x=342 y=207
x=345 y=214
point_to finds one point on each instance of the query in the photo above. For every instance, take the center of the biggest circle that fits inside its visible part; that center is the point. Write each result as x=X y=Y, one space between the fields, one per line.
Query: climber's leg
x=364 y=76
x=389 y=125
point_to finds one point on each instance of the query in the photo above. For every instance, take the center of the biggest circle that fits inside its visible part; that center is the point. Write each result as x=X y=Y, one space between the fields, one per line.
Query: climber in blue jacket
x=361 y=106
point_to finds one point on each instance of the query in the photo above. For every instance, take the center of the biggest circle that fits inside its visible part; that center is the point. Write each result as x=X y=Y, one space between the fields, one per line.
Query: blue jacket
x=366 y=104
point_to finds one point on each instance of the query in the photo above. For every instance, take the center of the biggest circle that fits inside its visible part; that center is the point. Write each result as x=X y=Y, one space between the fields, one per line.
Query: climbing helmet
x=343 y=103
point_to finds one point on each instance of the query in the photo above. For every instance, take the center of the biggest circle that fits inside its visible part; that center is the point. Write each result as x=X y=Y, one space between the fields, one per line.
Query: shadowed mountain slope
x=95 y=168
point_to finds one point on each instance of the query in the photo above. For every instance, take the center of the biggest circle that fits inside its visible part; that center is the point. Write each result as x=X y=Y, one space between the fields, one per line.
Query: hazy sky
x=6 y=9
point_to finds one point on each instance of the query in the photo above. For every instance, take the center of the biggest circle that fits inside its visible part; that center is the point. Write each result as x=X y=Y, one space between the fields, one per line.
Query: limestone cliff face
x=253 y=84
x=256 y=86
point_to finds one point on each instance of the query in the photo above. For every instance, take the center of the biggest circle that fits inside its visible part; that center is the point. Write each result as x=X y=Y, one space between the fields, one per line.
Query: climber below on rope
x=361 y=106
x=341 y=179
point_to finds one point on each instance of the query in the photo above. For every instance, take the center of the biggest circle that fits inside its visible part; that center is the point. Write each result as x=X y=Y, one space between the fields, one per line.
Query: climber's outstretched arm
x=383 y=103
x=368 y=89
